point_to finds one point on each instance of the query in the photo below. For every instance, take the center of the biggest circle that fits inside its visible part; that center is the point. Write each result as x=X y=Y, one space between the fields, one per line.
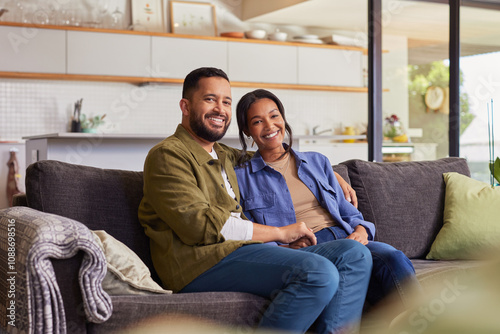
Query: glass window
x=415 y=75
x=479 y=65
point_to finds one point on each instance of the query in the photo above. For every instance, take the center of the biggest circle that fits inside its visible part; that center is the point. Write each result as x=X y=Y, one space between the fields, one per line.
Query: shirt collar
x=199 y=154
x=257 y=162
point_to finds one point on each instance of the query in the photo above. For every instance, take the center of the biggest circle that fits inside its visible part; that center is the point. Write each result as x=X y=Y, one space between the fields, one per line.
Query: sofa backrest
x=405 y=200
x=102 y=199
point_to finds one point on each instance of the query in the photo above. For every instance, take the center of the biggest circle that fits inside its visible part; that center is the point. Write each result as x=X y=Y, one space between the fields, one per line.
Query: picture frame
x=147 y=15
x=193 y=18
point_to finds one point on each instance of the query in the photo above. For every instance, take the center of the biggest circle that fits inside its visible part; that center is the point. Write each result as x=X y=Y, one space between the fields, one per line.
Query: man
x=201 y=242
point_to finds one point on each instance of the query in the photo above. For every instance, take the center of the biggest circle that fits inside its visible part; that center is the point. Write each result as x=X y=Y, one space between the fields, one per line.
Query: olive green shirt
x=185 y=206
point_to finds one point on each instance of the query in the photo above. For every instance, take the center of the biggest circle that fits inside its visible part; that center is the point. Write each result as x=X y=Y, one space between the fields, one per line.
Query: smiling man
x=200 y=241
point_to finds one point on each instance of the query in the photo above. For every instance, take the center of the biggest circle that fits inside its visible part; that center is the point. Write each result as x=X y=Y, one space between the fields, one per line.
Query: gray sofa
x=405 y=201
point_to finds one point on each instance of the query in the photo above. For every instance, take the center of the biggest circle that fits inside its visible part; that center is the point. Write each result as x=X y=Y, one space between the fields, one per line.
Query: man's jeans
x=327 y=282
x=392 y=270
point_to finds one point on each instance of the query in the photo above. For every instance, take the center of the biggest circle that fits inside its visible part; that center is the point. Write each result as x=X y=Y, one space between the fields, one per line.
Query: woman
x=280 y=186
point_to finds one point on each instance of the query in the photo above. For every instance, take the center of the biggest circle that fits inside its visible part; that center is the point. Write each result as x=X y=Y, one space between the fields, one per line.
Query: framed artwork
x=193 y=18
x=147 y=15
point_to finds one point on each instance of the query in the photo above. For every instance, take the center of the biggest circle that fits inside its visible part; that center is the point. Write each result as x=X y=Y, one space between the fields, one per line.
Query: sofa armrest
x=48 y=257
x=19 y=200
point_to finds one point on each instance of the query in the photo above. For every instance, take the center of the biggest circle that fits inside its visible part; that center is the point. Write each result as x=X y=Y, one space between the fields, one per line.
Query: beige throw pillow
x=127 y=274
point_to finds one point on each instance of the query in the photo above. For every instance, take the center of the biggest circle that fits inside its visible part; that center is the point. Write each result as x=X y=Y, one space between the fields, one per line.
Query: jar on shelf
x=349 y=131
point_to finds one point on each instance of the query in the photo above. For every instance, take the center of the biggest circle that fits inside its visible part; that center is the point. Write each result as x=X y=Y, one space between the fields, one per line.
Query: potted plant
x=90 y=124
x=493 y=164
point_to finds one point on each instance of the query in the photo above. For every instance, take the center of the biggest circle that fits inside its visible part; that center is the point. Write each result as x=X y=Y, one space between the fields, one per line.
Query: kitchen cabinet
x=175 y=57
x=109 y=54
x=119 y=151
x=336 y=152
x=25 y=49
x=75 y=53
x=333 y=67
x=253 y=62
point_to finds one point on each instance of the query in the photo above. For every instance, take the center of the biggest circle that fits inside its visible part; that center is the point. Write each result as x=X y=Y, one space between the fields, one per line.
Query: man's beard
x=199 y=128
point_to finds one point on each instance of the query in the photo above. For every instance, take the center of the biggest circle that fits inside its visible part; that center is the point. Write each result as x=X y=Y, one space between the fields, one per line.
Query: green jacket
x=185 y=206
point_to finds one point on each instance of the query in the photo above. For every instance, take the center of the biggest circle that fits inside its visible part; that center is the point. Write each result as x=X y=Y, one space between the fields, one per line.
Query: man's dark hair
x=191 y=82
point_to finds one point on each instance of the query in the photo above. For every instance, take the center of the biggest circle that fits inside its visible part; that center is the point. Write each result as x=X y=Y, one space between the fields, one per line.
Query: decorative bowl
x=255 y=34
x=233 y=34
x=278 y=36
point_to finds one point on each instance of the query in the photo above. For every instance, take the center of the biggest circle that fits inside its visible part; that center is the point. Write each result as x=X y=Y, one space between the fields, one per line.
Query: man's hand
x=285 y=234
x=349 y=193
x=359 y=234
x=296 y=232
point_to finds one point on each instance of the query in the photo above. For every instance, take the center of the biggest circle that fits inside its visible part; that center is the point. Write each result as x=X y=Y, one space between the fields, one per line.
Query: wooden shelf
x=145 y=80
x=131 y=32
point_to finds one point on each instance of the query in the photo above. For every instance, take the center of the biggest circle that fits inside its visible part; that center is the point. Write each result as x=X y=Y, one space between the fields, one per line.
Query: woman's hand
x=349 y=193
x=359 y=234
x=301 y=243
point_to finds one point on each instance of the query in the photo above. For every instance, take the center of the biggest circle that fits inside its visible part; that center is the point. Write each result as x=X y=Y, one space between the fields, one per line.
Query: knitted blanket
x=30 y=239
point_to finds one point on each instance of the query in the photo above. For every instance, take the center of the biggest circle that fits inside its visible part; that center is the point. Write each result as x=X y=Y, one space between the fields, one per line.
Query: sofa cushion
x=432 y=273
x=342 y=171
x=102 y=199
x=471 y=227
x=235 y=309
x=127 y=273
x=405 y=200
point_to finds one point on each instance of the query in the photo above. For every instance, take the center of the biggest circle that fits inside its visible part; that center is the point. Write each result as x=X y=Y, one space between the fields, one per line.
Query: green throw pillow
x=471 y=220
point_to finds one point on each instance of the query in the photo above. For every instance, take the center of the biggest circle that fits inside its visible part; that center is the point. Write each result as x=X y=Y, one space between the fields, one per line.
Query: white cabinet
x=330 y=67
x=253 y=62
x=24 y=49
x=109 y=54
x=337 y=152
x=176 y=57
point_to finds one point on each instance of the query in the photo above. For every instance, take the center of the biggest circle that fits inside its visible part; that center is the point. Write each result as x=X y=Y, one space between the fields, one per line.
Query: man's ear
x=184 y=104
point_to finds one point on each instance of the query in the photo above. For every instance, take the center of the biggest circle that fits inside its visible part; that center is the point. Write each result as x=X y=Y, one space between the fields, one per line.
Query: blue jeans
x=392 y=270
x=325 y=283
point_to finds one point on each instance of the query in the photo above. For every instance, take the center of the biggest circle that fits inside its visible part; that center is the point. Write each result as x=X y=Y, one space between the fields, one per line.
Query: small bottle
x=117 y=19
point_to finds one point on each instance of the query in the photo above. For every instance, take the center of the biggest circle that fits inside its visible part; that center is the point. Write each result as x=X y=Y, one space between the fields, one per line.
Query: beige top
x=307 y=207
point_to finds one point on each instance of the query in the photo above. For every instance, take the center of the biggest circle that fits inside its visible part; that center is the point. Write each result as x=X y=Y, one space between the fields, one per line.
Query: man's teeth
x=271 y=135
x=219 y=120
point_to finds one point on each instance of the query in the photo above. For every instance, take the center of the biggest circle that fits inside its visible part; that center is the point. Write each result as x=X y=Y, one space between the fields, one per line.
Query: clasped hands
x=298 y=235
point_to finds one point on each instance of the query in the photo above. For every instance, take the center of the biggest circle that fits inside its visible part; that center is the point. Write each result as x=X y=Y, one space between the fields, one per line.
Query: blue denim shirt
x=265 y=197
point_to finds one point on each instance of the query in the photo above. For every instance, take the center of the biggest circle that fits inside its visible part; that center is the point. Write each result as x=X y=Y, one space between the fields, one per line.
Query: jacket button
x=222 y=185
x=211 y=162
x=237 y=206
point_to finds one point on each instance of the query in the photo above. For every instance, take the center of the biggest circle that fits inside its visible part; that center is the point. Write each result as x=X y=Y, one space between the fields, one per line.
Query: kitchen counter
x=125 y=151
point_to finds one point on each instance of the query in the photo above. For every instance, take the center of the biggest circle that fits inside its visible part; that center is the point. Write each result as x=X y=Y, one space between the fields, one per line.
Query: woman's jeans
x=392 y=270
x=325 y=283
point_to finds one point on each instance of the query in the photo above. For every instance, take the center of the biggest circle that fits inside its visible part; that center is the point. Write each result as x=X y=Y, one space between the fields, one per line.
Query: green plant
x=494 y=165
x=91 y=122
x=495 y=169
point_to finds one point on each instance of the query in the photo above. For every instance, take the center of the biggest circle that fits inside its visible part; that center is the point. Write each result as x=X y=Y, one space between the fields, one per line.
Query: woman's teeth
x=271 y=135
